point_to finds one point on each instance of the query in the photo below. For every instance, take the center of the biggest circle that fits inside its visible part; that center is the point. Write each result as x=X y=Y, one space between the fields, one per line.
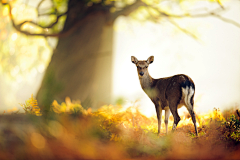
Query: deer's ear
x=150 y=59
x=134 y=59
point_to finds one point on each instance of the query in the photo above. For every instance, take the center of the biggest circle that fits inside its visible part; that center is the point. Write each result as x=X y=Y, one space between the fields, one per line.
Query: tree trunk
x=81 y=65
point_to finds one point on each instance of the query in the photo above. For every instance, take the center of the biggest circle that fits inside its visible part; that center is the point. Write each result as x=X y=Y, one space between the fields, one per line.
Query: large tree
x=81 y=63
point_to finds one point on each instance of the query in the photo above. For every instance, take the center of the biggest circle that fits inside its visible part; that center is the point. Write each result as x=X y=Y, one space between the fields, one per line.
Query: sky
x=213 y=61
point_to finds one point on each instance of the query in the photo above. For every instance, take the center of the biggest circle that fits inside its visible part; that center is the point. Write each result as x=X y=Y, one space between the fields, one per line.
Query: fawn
x=169 y=93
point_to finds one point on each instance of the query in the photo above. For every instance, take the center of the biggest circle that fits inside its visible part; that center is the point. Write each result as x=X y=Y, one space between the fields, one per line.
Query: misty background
x=212 y=61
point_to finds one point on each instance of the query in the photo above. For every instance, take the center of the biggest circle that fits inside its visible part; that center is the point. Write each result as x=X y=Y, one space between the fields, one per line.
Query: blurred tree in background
x=81 y=63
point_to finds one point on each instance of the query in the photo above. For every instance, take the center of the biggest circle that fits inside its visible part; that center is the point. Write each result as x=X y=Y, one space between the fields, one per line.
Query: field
x=70 y=131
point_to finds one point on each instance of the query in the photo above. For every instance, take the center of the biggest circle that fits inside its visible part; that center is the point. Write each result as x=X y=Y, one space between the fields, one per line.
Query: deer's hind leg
x=189 y=105
x=173 y=97
x=192 y=113
x=173 y=109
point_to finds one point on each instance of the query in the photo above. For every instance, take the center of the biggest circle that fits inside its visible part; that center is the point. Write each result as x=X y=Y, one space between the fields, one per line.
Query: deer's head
x=142 y=66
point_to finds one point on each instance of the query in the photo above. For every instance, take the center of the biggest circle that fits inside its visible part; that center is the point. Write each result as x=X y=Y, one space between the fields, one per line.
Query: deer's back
x=170 y=88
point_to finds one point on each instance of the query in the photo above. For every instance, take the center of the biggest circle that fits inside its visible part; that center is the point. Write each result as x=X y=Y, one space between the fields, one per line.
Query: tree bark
x=81 y=64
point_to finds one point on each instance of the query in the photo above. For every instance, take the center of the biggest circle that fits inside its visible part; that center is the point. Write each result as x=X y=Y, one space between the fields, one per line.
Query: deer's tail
x=188 y=90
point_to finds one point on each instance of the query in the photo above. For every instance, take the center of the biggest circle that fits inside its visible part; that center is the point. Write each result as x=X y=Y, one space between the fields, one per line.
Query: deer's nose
x=141 y=73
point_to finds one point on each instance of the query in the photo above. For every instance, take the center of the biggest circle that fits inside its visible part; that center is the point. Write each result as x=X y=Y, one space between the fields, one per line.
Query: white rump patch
x=187 y=95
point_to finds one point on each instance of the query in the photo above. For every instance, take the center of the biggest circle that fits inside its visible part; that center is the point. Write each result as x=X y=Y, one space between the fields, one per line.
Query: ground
x=73 y=132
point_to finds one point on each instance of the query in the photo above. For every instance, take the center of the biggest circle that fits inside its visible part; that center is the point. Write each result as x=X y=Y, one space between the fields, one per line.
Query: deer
x=168 y=93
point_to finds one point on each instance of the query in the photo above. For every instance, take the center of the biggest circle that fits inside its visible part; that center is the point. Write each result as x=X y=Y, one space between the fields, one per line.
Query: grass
x=72 y=132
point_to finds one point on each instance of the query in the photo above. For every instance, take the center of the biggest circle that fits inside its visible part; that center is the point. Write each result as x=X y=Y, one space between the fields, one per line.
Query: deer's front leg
x=159 y=116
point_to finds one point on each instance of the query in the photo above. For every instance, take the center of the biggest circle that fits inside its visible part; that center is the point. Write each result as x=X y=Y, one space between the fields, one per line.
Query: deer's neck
x=146 y=81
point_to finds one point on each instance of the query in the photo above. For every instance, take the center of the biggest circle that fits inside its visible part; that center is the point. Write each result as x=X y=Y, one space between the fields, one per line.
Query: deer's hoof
x=174 y=127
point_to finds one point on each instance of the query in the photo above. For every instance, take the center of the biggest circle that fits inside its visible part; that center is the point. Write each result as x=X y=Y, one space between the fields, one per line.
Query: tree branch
x=60 y=34
x=39 y=4
x=156 y=19
x=183 y=29
x=54 y=7
x=210 y=13
x=18 y=26
x=227 y=20
x=127 y=10
x=201 y=15
x=44 y=27
x=220 y=4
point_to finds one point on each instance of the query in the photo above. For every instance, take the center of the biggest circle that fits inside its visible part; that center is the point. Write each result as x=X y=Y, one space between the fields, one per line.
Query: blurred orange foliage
x=111 y=132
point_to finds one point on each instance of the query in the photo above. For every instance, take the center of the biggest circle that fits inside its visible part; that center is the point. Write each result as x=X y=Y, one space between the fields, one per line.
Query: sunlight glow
x=33 y=72
x=14 y=11
x=5 y=10
x=19 y=78
x=15 y=71
x=213 y=62
x=41 y=68
x=14 y=36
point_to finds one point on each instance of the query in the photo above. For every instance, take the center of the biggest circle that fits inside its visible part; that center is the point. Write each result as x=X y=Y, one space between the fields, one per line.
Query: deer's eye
x=146 y=66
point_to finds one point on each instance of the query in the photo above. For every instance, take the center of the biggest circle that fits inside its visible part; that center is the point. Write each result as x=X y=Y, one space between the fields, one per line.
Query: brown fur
x=167 y=93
